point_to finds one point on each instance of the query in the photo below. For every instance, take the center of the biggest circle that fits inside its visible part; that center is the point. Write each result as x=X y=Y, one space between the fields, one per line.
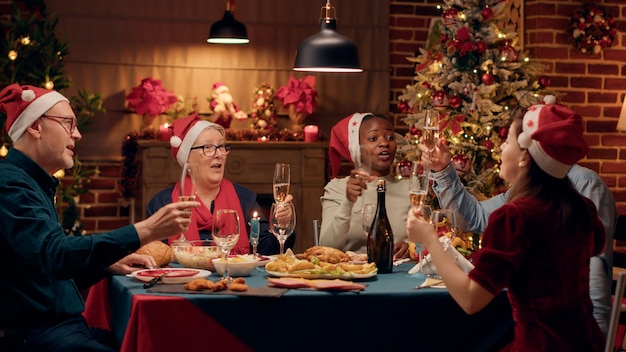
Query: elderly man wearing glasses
x=203 y=143
x=40 y=296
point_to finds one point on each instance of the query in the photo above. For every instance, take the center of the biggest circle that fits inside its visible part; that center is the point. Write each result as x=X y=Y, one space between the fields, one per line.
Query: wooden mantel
x=250 y=164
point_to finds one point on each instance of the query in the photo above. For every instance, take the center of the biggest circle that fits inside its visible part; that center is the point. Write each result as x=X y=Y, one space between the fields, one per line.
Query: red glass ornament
x=503 y=132
x=403 y=168
x=413 y=131
x=403 y=106
x=508 y=53
x=544 y=81
x=455 y=101
x=487 y=13
x=481 y=47
x=439 y=99
x=487 y=144
x=487 y=79
x=461 y=164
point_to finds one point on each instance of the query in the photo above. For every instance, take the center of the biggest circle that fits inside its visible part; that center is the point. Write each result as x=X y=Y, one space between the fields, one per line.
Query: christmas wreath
x=592 y=29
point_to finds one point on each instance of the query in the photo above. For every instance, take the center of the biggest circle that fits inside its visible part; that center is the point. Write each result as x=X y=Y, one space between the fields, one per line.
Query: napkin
x=426 y=266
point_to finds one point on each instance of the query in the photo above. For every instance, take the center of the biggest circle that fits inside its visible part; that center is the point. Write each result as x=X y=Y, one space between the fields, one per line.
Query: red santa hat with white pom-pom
x=184 y=132
x=553 y=135
x=23 y=105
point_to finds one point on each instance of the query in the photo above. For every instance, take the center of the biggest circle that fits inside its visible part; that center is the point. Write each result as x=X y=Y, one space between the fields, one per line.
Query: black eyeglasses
x=210 y=150
x=69 y=123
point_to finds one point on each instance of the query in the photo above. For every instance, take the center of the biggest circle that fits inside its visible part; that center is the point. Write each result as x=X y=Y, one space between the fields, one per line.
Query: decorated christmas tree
x=473 y=72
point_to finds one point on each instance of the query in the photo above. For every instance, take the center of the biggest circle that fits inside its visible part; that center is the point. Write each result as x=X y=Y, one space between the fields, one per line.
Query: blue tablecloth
x=390 y=314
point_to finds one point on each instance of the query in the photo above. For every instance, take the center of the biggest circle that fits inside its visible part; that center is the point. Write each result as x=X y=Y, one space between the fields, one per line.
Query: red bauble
x=508 y=53
x=414 y=131
x=455 y=101
x=487 y=13
x=461 y=164
x=481 y=47
x=403 y=106
x=487 y=144
x=487 y=79
x=544 y=81
x=439 y=99
x=403 y=168
x=503 y=133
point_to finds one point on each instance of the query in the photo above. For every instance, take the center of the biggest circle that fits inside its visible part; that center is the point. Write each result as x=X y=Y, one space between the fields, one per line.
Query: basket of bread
x=320 y=262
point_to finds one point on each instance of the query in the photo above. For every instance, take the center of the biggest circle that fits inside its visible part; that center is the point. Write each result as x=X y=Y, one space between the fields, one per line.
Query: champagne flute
x=282 y=222
x=363 y=164
x=369 y=209
x=226 y=234
x=186 y=192
x=430 y=133
x=282 y=180
x=418 y=183
x=444 y=221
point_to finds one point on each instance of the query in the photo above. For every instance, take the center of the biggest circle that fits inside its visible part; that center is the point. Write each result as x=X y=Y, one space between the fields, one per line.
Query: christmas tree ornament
x=456 y=101
x=461 y=164
x=487 y=13
x=439 y=99
x=544 y=81
x=487 y=79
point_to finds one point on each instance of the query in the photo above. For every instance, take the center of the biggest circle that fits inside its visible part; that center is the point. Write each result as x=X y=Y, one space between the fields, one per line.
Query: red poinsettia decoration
x=150 y=98
x=300 y=93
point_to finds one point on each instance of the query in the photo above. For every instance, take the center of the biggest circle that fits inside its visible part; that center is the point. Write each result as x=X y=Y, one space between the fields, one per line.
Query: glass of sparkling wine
x=282 y=180
x=418 y=183
x=430 y=133
x=282 y=222
x=186 y=192
x=369 y=210
x=226 y=234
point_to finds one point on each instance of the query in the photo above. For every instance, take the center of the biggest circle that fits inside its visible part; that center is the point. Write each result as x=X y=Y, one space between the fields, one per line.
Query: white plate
x=173 y=276
x=307 y=275
x=265 y=259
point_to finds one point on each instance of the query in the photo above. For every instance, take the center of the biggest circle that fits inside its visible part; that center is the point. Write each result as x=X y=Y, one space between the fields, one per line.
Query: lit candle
x=254 y=232
x=164 y=134
x=254 y=226
x=262 y=139
x=310 y=133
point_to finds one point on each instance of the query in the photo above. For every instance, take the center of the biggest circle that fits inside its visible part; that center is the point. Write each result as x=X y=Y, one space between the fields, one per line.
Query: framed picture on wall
x=515 y=20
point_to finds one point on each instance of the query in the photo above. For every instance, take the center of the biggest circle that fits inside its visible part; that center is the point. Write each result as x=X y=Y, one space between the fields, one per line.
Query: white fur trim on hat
x=354 y=144
x=190 y=138
x=548 y=164
x=34 y=110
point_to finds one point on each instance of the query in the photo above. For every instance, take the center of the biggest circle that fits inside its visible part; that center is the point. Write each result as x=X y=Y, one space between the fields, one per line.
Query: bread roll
x=162 y=253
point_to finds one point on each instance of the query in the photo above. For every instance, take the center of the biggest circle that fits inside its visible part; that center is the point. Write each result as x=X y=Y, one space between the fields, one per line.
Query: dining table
x=390 y=314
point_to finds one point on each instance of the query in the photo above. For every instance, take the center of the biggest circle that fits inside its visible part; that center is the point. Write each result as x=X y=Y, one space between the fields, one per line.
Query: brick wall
x=594 y=86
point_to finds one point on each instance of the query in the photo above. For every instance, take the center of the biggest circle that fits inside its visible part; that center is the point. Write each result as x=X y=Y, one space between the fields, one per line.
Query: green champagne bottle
x=380 y=236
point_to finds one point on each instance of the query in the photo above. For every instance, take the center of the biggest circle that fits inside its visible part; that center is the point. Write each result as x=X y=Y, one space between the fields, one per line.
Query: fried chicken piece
x=325 y=254
x=238 y=287
x=199 y=284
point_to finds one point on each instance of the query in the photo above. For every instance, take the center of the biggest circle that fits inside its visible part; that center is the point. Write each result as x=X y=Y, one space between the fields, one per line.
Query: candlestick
x=254 y=232
x=310 y=133
x=164 y=133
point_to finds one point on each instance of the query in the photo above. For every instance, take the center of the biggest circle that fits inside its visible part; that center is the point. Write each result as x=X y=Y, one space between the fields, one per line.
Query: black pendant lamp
x=228 y=30
x=327 y=51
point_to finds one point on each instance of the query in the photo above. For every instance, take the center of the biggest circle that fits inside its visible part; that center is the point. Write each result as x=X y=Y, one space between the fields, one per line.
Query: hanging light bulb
x=228 y=30
x=327 y=51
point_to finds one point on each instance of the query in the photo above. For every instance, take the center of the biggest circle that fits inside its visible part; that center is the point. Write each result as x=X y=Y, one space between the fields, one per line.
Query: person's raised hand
x=439 y=158
x=419 y=230
x=357 y=182
x=170 y=220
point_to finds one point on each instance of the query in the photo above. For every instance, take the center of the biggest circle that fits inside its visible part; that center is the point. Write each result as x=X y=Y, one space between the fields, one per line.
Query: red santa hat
x=553 y=135
x=184 y=132
x=344 y=141
x=23 y=105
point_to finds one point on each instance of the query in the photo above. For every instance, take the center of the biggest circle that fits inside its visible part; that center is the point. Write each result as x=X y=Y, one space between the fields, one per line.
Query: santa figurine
x=223 y=107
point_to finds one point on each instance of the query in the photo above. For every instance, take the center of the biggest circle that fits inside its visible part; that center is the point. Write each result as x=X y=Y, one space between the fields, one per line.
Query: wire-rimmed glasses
x=70 y=124
x=210 y=150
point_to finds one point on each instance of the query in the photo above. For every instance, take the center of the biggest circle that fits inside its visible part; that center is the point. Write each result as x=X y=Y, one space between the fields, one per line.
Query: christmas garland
x=592 y=29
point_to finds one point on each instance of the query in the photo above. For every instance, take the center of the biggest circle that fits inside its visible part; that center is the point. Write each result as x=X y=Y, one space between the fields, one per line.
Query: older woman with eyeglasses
x=204 y=143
